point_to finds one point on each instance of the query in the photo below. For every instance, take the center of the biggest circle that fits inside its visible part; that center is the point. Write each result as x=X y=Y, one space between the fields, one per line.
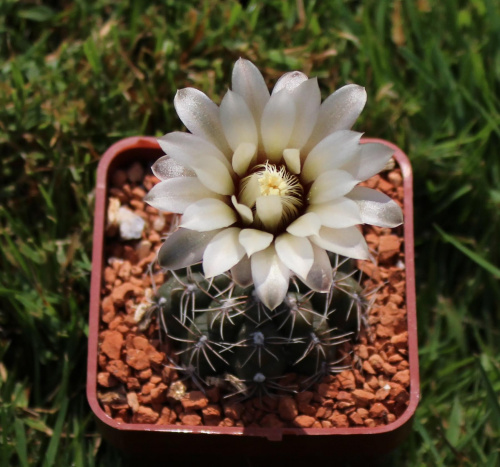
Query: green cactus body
x=220 y=329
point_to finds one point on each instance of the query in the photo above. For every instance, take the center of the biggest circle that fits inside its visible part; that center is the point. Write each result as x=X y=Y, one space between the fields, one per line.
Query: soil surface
x=135 y=385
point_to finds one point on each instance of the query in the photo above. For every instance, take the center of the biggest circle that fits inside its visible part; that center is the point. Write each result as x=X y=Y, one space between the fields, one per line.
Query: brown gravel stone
x=402 y=377
x=140 y=342
x=388 y=247
x=167 y=417
x=106 y=380
x=233 y=410
x=137 y=359
x=118 y=369
x=211 y=415
x=378 y=410
x=400 y=340
x=347 y=380
x=271 y=420
x=145 y=415
x=287 y=408
x=304 y=421
x=194 y=400
x=339 y=420
x=363 y=397
x=304 y=397
x=112 y=344
x=190 y=419
x=356 y=419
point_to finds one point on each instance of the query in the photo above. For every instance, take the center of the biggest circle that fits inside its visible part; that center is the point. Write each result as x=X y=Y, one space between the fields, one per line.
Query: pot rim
x=274 y=434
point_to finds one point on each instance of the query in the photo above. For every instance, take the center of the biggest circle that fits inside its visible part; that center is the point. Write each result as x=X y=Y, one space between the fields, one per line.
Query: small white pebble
x=131 y=225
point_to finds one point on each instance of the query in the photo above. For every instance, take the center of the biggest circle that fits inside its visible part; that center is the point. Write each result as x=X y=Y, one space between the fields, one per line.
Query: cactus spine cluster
x=221 y=331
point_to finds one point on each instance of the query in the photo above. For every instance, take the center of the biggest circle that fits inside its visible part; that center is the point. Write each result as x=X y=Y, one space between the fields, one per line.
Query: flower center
x=269 y=180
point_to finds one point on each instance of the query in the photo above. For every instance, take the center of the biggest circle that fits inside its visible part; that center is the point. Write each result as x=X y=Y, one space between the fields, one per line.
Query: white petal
x=183 y=248
x=320 y=276
x=249 y=84
x=338 y=214
x=331 y=153
x=347 y=242
x=222 y=253
x=270 y=276
x=269 y=210
x=305 y=225
x=307 y=98
x=166 y=167
x=208 y=214
x=292 y=160
x=242 y=272
x=338 y=112
x=237 y=121
x=243 y=210
x=250 y=191
x=296 y=253
x=376 y=208
x=201 y=117
x=176 y=194
x=277 y=124
x=214 y=175
x=254 y=240
x=242 y=157
x=188 y=149
x=330 y=185
x=289 y=81
x=369 y=160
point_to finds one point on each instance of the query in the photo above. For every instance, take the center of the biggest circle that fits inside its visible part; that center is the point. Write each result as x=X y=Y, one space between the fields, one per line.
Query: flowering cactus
x=267 y=188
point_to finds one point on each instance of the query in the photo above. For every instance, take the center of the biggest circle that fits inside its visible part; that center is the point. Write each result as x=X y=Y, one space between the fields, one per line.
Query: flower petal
x=270 y=276
x=269 y=210
x=289 y=81
x=292 y=160
x=331 y=153
x=320 y=276
x=376 y=208
x=214 y=175
x=248 y=83
x=338 y=214
x=296 y=253
x=188 y=149
x=222 y=253
x=249 y=190
x=201 y=117
x=307 y=98
x=339 y=111
x=183 y=248
x=176 y=194
x=243 y=210
x=278 y=120
x=208 y=214
x=242 y=157
x=237 y=121
x=305 y=225
x=254 y=240
x=166 y=167
x=347 y=242
x=369 y=161
x=242 y=272
x=330 y=185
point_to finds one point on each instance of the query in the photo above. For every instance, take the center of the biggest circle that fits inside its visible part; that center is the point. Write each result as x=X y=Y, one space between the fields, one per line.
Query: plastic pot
x=172 y=441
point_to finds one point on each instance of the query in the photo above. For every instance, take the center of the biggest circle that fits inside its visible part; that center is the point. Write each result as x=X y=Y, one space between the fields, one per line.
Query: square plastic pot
x=162 y=442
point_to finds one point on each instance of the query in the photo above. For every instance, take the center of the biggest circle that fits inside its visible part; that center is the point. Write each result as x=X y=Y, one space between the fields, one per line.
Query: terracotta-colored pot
x=168 y=441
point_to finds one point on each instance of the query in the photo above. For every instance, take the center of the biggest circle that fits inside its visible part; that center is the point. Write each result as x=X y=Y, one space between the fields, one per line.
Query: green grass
x=77 y=76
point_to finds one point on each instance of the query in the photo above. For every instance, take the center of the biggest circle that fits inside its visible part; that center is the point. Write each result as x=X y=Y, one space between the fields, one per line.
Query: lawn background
x=76 y=76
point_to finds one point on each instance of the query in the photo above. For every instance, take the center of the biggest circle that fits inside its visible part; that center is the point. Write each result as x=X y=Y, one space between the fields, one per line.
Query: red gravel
x=134 y=386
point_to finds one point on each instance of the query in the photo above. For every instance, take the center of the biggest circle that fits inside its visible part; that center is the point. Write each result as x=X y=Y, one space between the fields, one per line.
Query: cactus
x=220 y=331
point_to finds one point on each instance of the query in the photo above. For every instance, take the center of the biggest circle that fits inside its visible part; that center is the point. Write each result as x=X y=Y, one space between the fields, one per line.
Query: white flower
x=266 y=184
